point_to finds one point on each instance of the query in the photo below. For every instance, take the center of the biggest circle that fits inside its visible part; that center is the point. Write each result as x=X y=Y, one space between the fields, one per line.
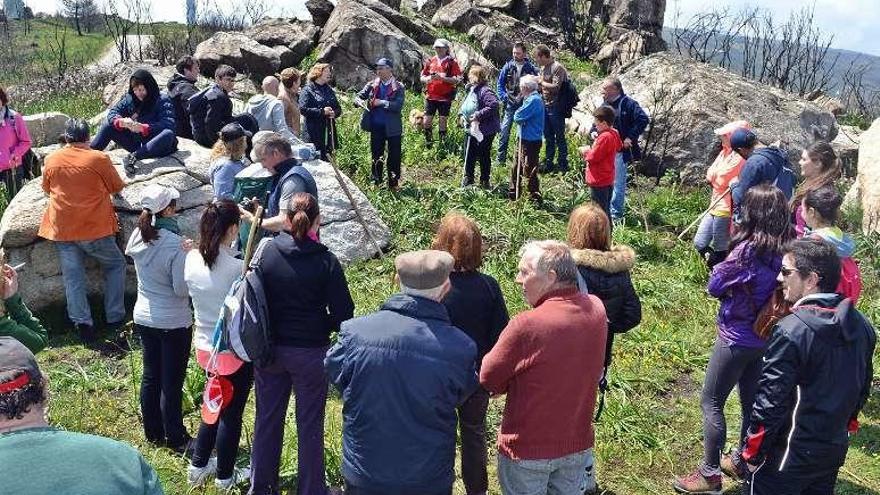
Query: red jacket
x=548 y=361
x=448 y=67
x=600 y=172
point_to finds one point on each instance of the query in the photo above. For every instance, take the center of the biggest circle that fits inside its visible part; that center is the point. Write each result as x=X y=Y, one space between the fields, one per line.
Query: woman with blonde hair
x=479 y=113
x=228 y=159
x=319 y=105
x=476 y=306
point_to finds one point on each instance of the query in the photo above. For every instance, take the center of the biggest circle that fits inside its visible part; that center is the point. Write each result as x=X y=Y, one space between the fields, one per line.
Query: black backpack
x=568 y=97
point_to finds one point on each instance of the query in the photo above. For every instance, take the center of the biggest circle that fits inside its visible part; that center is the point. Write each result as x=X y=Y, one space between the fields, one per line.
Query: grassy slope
x=651 y=428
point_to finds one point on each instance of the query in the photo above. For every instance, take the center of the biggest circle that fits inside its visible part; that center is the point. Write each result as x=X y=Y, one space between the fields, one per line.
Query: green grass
x=651 y=428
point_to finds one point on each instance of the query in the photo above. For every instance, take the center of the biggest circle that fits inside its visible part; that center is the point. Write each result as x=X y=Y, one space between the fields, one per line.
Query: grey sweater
x=163 y=296
x=269 y=112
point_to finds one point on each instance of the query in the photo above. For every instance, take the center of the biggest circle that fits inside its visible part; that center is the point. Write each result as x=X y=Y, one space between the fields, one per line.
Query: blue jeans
x=76 y=284
x=568 y=475
x=618 y=197
x=162 y=144
x=713 y=231
x=506 y=126
x=554 y=138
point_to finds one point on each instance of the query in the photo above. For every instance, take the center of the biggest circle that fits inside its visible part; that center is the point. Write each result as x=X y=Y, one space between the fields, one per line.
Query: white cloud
x=175 y=10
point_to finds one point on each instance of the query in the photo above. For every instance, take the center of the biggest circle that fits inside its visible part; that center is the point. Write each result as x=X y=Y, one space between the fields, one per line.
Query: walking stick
x=467 y=146
x=519 y=168
x=341 y=180
x=705 y=212
x=252 y=237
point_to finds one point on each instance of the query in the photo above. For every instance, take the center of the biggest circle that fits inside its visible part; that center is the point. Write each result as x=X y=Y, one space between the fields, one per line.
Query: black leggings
x=478 y=151
x=166 y=353
x=729 y=366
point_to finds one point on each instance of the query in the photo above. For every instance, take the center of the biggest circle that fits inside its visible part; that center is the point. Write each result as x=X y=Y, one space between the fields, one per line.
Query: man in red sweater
x=548 y=361
x=600 y=158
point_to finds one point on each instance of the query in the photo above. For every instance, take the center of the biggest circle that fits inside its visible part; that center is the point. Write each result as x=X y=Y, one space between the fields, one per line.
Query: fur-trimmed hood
x=620 y=258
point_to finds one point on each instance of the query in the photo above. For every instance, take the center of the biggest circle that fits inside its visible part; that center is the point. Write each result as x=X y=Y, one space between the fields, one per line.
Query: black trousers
x=602 y=197
x=166 y=353
x=378 y=143
x=478 y=151
x=226 y=432
x=768 y=480
x=474 y=456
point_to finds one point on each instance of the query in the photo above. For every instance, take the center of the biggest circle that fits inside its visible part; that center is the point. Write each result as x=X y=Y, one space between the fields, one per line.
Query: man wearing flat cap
x=382 y=101
x=36 y=459
x=402 y=372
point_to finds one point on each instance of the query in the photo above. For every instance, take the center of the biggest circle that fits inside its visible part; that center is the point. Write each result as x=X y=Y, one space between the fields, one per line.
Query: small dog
x=417 y=119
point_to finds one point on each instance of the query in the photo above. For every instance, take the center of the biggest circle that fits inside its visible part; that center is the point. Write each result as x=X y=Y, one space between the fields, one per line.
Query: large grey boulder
x=187 y=171
x=492 y=42
x=869 y=177
x=45 y=128
x=516 y=8
x=428 y=8
x=355 y=37
x=239 y=51
x=320 y=11
x=421 y=32
x=280 y=31
x=459 y=15
x=688 y=99
x=846 y=145
x=466 y=56
x=634 y=28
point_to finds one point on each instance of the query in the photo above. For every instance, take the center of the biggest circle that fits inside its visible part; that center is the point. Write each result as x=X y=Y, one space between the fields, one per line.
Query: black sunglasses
x=786 y=271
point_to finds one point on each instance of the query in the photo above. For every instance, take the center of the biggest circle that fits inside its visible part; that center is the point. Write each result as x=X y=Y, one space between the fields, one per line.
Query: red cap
x=217 y=395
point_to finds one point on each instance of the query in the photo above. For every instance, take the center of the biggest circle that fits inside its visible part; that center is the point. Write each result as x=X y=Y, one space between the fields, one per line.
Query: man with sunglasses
x=816 y=378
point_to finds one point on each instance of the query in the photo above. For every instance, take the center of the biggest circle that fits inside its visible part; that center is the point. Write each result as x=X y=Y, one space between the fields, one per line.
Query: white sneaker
x=196 y=476
x=239 y=475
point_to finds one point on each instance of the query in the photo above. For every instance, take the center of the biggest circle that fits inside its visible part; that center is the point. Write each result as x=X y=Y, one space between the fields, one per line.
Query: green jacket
x=19 y=323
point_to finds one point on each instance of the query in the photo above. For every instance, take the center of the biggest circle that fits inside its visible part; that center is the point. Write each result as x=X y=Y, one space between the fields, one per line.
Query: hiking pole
x=467 y=148
x=705 y=212
x=256 y=225
x=341 y=180
x=519 y=167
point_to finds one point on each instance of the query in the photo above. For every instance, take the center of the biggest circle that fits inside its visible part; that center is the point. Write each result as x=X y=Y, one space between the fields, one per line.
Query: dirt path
x=135 y=43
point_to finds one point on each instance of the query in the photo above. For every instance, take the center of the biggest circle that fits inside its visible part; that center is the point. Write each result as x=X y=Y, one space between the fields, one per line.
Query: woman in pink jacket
x=14 y=143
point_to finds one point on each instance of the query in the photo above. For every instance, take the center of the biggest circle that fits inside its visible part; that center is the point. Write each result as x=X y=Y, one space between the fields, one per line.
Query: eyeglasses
x=786 y=271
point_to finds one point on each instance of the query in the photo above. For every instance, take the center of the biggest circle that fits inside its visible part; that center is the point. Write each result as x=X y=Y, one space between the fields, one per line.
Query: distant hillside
x=844 y=59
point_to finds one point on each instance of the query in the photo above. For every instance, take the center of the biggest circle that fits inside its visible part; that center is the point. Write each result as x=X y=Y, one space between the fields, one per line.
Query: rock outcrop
x=297 y=36
x=45 y=128
x=688 y=99
x=187 y=171
x=320 y=11
x=869 y=177
x=421 y=32
x=459 y=15
x=356 y=36
x=467 y=56
x=634 y=28
x=239 y=51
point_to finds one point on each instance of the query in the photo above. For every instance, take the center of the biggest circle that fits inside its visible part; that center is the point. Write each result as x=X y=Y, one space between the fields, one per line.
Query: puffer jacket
x=767 y=164
x=180 y=90
x=816 y=379
x=402 y=372
x=607 y=276
x=15 y=140
x=156 y=112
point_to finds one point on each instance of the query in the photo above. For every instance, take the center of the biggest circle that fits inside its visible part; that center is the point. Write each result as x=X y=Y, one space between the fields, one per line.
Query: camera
x=249 y=204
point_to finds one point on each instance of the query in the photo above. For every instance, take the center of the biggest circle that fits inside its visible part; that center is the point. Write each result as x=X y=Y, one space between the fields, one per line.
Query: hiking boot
x=484 y=184
x=732 y=466
x=185 y=448
x=128 y=163
x=696 y=483
x=466 y=182
x=196 y=476
x=429 y=138
x=239 y=475
x=86 y=332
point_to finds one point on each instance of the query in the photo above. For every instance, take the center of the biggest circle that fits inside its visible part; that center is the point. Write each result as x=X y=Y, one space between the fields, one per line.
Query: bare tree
x=581 y=29
x=81 y=13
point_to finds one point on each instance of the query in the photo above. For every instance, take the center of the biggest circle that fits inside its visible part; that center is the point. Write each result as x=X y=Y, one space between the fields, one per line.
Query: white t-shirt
x=208 y=288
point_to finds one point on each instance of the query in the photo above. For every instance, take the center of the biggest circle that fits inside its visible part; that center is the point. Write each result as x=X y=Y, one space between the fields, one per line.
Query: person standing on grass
x=440 y=75
x=552 y=75
x=480 y=106
x=80 y=221
x=402 y=373
x=228 y=159
x=476 y=306
x=744 y=283
x=530 y=119
x=821 y=208
x=548 y=361
x=209 y=273
x=508 y=93
x=181 y=87
x=383 y=99
x=15 y=142
x=630 y=120
x=820 y=167
x=319 y=105
x=763 y=164
x=142 y=122
x=16 y=320
x=162 y=316
x=268 y=110
x=599 y=158
x=288 y=93
x=307 y=298
x=210 y=109
x=37 y=459
x=713 y=234
x=816 y=378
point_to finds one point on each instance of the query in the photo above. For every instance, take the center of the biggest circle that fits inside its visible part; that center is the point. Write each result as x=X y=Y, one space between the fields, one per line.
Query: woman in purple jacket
x=480 y=106
x=743 y=282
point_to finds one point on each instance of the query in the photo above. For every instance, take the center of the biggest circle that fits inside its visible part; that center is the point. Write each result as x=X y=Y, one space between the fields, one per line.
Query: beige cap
x=423 y=270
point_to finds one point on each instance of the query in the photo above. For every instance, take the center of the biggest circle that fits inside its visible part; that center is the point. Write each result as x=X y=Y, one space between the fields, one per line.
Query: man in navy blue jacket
x=630 y=121
x=763 y=164
x=382 y=101
x=402 y=372
x=508 y=93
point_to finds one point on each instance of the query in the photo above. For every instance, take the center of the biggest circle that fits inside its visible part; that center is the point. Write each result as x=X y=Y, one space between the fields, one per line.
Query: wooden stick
x=252 y=237
x=705 y=212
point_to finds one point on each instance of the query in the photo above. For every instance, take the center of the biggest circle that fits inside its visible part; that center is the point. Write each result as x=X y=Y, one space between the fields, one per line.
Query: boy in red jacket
x=600 y=158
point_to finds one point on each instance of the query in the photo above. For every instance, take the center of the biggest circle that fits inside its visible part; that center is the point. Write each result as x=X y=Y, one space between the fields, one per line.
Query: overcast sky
x=852 y=22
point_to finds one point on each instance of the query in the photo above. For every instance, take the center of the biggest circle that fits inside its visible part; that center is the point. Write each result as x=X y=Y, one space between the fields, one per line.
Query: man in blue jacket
x=508 y=92
x=763 y=164
x=382 y=100
x=630 y=120
x=142 y=122
x=402 y=372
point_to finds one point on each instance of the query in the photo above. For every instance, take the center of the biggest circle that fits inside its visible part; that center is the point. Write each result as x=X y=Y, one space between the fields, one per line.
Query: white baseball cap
x=156 y=198
x=441 y=43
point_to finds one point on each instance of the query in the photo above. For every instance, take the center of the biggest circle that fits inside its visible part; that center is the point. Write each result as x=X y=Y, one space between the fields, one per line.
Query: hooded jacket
x=209 y=110
x=850 y=275
x=607 y=274
x=156 y=112
x=180 y=89
x=15 y=140
x=601 y=156
x=306 y=291
x=816 y=378
x=402 y=372
x=269 y=114
x=162 y=293
x=767 y=164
